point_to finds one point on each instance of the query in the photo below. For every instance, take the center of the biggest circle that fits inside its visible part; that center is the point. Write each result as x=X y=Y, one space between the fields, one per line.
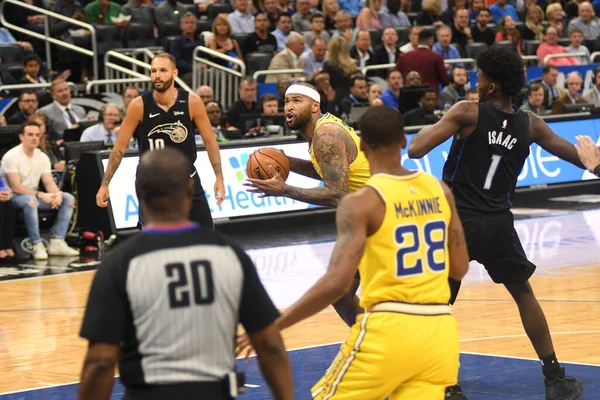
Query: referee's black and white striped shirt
x=171 y=299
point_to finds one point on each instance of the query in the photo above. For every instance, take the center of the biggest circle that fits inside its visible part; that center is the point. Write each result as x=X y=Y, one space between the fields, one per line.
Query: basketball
x=258 y=164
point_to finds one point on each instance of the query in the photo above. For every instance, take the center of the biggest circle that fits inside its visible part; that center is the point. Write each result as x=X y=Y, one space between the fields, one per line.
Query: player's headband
x=304 y=90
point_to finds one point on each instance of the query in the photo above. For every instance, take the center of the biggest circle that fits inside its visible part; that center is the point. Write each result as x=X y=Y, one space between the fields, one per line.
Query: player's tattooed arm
x=116 y=155
x=330 y=145
x=303 y=167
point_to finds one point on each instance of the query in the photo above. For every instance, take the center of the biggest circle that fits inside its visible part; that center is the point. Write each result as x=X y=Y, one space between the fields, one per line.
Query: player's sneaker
x=454 y=393
x=563 y=387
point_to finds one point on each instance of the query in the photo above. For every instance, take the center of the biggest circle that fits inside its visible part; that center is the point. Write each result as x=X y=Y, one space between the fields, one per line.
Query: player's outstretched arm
x=460 y=120
x=274 y=362
x=133 y=117
x=540 y=133
x=329 y=145
x=457 y=245
x=351 y=222
x=588 y=153
x=97 y=375
x=200 y=118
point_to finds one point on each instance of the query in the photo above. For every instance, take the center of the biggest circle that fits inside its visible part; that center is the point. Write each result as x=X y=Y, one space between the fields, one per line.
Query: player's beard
x=165 y=86
x=300 y=120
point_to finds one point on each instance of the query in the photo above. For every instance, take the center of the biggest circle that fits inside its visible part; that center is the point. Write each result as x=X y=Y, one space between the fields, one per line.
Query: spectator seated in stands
x=314 y=59
x=222 y=41
x=130 y=93
x=7 y=38
x=413 y=39
x=500 y=9
x=284 y=27
x=260 y=40
x=480 y=31
x=576 y=37
x=574 y=84
x=28 y=105
x=328 y=94
x=447 y=16
x=554 y=15
x=270 y=105
x=106 y=129
x=340 y=67
x=141 y=11
x=61 y=113
x=344 y=29
x=586 y=22
x=430 y=13
x=301 y=19
x=387 y=52
x=472 y=95
x=215 y=115
x=429 y=64
x=551 y=46
x=288 y=58
x=358 y=94
x=424 y=114
x=461 y=31
x=183 y=47
x=31 y=68
x=206 y=93
x=101 y=12
x=535 y=99
x=317 y=29
x=361 y=51
x=50 y=148
x=245 y=105
x=551 y=91
x=533 y=29
x=391 y=97
x=240 y=19
x=169 y=11
x=272 y=11
x=507 y=30
x=369 y=16
x=374 y=93
x=413 y=78
x=455 y=91
x=592 y=96
x=22 y=169
x=443 y=46
x=330 y=8
x=394 y=17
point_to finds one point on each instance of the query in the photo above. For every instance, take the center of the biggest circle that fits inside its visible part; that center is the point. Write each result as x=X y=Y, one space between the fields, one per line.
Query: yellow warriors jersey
x=406 y=260
x=359 y=172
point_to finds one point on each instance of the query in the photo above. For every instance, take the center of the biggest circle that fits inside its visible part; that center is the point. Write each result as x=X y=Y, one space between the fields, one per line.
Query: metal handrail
x=23 y=86
x=100 y=82
x=50 y=40
x=266 y=72
x=138 y=63
x=215 y=54
x=376 y=67
x=564 y=55
x=594 y=55
x=460 y=61
x=531 y=58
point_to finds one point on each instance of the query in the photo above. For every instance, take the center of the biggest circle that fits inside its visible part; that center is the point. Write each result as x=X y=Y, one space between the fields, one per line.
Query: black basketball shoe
x=562 y=387
x=454 y=393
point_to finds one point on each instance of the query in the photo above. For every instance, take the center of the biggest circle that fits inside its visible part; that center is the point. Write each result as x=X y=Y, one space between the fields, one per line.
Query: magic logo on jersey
x=176 y=131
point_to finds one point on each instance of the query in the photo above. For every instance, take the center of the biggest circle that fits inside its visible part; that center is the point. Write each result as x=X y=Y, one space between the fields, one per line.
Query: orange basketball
x=258 y=164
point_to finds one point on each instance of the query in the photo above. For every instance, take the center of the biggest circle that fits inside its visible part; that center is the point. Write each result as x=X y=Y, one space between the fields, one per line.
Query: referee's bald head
x=163 y=183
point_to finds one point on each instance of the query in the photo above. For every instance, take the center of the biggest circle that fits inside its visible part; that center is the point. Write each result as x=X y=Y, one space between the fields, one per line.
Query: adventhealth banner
x=540 y=168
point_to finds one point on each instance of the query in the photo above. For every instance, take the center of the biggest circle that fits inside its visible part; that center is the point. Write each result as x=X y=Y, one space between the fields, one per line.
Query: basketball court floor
x=40 y=315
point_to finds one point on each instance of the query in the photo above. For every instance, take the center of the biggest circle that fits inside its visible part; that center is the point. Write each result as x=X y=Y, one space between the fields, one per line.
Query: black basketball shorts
x=492 y=241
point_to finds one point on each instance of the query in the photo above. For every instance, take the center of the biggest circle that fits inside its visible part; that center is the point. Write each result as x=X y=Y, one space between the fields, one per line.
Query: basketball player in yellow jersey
x=336 y=159
x=402 y=232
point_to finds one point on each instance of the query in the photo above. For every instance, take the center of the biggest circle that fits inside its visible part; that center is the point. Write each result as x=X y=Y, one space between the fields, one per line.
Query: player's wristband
x=597 y=171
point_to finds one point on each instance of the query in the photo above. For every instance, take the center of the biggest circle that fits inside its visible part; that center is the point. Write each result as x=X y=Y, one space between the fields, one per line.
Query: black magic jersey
x=483 y=168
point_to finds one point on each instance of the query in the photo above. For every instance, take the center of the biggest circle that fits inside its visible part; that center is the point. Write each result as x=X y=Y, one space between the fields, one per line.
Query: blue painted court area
x=482 y=377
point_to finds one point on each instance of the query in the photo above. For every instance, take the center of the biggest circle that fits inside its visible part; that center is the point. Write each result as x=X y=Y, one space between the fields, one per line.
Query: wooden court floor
x=40 y=317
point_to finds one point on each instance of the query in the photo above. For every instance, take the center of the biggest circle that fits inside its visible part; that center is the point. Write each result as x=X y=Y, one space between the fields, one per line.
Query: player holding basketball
x=167 y=116
x=336 y=159
x=491 y=143
x=401 y=230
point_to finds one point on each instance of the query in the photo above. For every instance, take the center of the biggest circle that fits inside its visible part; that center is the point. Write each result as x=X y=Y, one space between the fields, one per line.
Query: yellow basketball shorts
x=400 y=356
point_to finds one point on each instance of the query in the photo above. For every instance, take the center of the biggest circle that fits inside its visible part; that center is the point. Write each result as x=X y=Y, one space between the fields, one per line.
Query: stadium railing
x=267 y=72
x=223 y=80
x=32 y=86
x=564 y=55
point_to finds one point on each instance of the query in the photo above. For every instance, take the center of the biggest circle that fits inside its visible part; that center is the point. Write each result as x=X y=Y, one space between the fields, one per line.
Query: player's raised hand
x=102 y=196
x=587 y=151
x=267 y=187
x=219 y=191
x=243 y=345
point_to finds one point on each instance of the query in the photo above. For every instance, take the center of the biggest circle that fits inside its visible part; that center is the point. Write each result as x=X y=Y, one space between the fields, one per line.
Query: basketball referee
x=167 y=302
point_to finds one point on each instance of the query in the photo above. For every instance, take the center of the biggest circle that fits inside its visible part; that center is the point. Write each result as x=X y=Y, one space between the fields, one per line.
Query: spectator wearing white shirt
x=106 y=129
x=241 y=20
x=314 y=59
x=61 y=113
x=576 y=47
x=413 y=39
